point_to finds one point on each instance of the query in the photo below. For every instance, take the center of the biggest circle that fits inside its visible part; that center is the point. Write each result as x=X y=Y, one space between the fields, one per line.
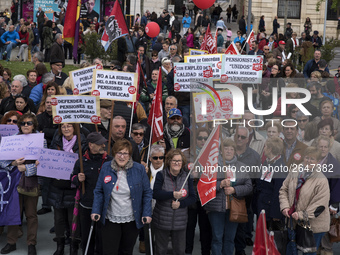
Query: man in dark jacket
x=176 y=25
x=138 y=135
x=2 y=45
x=316 y=40
x=141 y=41
x=166 y=21
x=35 y=43
x=276 y=26
x=57 y=51
x=40 y=17
x=56 y=69
x=242 y=25
x=93 y=160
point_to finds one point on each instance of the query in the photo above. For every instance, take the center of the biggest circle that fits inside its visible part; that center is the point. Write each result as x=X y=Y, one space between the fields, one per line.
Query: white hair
x=21 y=78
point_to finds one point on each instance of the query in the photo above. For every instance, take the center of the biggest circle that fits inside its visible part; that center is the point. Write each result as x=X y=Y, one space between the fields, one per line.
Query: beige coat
x=314 y=193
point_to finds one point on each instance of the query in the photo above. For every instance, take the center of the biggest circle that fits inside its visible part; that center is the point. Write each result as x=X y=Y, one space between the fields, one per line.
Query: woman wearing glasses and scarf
x=122 y=198
x=170 y=215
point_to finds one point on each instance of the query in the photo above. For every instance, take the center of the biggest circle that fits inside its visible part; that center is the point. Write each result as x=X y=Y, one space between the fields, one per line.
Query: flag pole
x=264 y=231
x=246 y=41
x=109 y=144
x=132 y=107
x=150 y=140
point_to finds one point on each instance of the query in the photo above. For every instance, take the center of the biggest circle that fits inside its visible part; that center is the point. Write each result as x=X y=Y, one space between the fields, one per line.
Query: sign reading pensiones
x=214 y=59
x=208 y=108
x=197 y=52
x=184 y=72
x=114 y=85
x=242 y=69
x=81 y=80
x=75 y=109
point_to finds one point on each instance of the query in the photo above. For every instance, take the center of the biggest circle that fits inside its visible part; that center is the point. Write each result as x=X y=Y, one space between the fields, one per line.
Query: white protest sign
x=53 y=163
x=6 y=130
x=214 y=59
x=115 y=85
x=212 y=108
x=242 y=69
x=14 y=147
x=75 y=109
x=184 y=72
x=197 y=52
x=81 y=80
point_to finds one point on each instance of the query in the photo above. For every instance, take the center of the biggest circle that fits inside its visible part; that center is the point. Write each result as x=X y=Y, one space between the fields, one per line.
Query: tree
x=335 y=5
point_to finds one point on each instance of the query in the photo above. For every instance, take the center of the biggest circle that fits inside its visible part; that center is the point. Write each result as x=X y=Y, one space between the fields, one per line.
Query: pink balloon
x=204 y=4
x=152 y=29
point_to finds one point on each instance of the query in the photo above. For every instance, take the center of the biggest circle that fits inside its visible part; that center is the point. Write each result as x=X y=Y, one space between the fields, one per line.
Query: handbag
x=238 y=210
x=334 y=230
x=305 y=241
x=24 y=190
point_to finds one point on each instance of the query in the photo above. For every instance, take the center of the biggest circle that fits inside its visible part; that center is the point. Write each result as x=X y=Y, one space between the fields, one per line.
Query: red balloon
x=152 y=29
x=204 y=4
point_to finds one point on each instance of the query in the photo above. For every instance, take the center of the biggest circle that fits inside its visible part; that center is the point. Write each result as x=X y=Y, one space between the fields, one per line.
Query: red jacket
x=24 y=37
x=262 y=43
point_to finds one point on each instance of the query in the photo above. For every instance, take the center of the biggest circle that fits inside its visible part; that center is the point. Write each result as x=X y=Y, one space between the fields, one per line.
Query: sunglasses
x=158 y=158
x=305 y=120
x=200 y=138
x=172 y=49
x=10 y=120
x=295 y=111
x=28 y=123
x=137 y=134
x=242 y=137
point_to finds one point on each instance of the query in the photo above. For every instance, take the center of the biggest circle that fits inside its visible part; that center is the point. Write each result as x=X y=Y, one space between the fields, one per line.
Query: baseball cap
x=174 y=112
x=282 y=42
x=96 y=138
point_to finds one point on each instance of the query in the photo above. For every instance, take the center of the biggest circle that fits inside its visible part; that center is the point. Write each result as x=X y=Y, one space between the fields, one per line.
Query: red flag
x=208 y=158
x=264 y=242
x=209 y=43
x=155 y=119
x=71 y=21
x=115 y=26
x=232 y=50
x=250 y=39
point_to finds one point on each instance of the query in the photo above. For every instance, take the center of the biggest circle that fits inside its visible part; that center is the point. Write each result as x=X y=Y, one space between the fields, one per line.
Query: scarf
x=154 y=172
x=302 y=178
x=169 y=134
x=164 y=70
x=116 y=167
x=68 y=145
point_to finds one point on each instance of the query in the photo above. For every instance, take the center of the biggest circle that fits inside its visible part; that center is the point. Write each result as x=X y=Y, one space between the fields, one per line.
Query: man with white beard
x=176 y=135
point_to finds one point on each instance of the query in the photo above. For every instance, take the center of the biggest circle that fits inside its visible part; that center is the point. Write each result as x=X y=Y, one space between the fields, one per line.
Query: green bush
x=328 y=49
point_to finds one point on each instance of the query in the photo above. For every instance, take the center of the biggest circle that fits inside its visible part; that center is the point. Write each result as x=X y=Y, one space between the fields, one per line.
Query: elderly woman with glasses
x=61 y=194
x=170 y=215
x=122 y=200
x=28 y=196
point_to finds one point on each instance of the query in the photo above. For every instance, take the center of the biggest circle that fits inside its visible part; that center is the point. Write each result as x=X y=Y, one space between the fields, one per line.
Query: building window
x=331 y=14
x=294 y=9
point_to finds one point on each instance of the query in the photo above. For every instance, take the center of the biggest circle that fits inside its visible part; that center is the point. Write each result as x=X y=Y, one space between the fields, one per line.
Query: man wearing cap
x=316 y=40
x=289 y=30
x=57 y=51
x=176 y=135
x=93 y=160
x=279 y=53
x=105 y=114
x=56 y=69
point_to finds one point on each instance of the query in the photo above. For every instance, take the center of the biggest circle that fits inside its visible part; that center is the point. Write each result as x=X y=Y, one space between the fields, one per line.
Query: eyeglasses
x=295 y=111
x=137 y=134
x=124 y=154
x=176 y=162
x=10 y=120
x=200 y=138
x=265 y=49
x=304 y=120
x=28 y=123
x=158 y=158
x=242 y=137
x=176 y=118
x=66 y=127
x=172 y=48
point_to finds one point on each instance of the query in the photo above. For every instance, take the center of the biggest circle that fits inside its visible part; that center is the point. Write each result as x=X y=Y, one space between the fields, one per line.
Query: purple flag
x=9 y=197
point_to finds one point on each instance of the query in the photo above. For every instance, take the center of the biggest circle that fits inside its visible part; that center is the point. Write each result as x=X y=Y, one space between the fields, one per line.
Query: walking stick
x=150 y=237
x=90 y=234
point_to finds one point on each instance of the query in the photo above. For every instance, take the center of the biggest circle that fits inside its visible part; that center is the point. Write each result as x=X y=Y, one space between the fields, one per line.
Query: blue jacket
x=10 y=36
x=187 y=23
x=36 y=37
x=141 y=193
x=37 y=94
x=237 y=39
x=307 y=70
x=144 y=20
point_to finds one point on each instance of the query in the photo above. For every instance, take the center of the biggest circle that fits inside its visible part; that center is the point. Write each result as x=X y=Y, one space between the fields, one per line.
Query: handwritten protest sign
x=6 y=130
x=114 y=85
x=211 y=109
x=81 y=80
x=75 y=109
x=214 y=59
x=184 y=72
x=14 y=147
x=242 y=69
x=197 y=52
x=53 y=163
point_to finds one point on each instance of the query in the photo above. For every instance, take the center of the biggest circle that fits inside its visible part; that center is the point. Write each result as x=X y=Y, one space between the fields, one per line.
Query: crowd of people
x=139 y=183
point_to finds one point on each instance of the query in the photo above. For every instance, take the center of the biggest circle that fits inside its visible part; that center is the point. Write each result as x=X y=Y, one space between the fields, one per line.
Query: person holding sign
x=122 y=199
x=61 y=194
x=28 y=189
x=93 y=160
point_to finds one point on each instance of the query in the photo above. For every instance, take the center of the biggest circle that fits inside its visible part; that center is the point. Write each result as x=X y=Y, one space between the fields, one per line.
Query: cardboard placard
x=75 y=109
x=197 y=52
x=7 y=130
x=81 y=80
x=214 y=110
x=185 y=72
x=115 y=85
x=214 y=59
x=242 y=69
